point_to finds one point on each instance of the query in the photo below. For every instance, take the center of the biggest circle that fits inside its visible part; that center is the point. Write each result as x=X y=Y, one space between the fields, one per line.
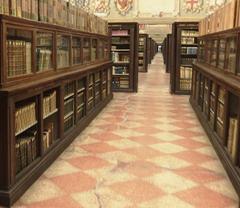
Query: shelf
x=120 y=35
x=68 y=115
x=120 y=43
x=48 y=115
x=80 y=106
x=120 y=50
x=68 y=96
x=81 y=90
x=120 y=74
x=121 y=63
x=26 y=128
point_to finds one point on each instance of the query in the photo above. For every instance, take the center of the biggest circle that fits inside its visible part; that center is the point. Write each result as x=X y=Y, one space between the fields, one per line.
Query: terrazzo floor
x=143 y=150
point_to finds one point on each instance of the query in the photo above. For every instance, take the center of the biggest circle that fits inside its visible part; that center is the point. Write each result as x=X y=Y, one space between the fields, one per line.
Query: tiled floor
x=144 y=150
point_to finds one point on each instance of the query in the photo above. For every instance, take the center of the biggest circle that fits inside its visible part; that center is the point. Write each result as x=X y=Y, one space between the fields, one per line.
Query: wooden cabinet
x=54 y=81
x=184 y=52
x=215 y=96
x=142 y=53
x=125 y=56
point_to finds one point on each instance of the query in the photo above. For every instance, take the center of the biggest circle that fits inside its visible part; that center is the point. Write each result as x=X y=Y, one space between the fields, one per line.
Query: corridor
x=144 y=150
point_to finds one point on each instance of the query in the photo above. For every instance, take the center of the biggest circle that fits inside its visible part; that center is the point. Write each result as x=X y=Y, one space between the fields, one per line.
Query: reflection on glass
x=63 y=46
x=19 y=52
x=44 y=50
x=76 y=50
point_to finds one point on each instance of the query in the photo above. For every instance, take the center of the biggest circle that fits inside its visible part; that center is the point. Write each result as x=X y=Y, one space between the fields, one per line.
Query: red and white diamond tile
x=144 y=150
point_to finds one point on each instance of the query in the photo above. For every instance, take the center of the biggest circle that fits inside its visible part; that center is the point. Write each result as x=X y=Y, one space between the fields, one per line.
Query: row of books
x=120 y=82
x=187 y=61
x=120 y=32
x=68 y=122
x=120 y=70
x=68 y=89
x=24 y=117
x=48 y=136
x=232 y=138
x=120 y=40
x=185 y=72
x=80 y=113
x=189 y=33
x=185 y=84
x=222 y=19
x=189 y=50
x=44 y=59
x=68 y=106
x=61 y=12
x=188 y=40
x=19 y=57
x=49 y=103
x=80 y=99
x=76 y=53
x=221 y=94
x=26 y=150
x=62 y=58
x=119 y=58
x=86 y=55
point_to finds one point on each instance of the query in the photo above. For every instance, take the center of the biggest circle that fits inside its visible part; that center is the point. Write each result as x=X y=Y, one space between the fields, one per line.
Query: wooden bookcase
x=184 y=52
x=164 y=51
x=168 y=52
x=54 y=81
x=149 y=50
x=215 y=96
x=125 y=41
x=142 y=53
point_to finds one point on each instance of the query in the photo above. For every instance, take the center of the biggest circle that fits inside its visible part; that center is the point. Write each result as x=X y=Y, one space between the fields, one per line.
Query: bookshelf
x=149 y=50
x=215 y=96
x=142 y=53
x=167 y=52
x=54 y=81
x=124 y=50
x=184 y=52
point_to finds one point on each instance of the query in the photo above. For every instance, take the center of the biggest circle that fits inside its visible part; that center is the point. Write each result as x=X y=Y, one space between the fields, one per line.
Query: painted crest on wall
x=193 y=6
x=123 y=6
x=84 y=4
x=212 y=5
x=102 y=7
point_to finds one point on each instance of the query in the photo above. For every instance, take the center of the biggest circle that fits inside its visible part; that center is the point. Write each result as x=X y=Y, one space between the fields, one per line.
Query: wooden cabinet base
x=8 y=197
x=232 y=171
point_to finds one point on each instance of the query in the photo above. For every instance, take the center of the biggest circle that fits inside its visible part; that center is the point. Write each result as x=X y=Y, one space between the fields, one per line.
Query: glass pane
x=94 y=50
x=44 y=51
x=231 y=52
x=76 y=50
x=19 y=52
x=213 y=60
x=221 y=56
x=63 y=46
x=100 y=50
x=86 y=50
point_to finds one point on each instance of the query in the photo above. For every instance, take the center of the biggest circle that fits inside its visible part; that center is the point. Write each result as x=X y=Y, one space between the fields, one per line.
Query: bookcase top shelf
x=46 y=50
x=43 y=25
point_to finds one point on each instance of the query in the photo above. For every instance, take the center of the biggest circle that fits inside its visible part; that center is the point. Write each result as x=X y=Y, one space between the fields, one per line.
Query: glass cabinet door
x=19 y=52
x=63 y=48
x=44 y=51
x=231 y=55
x=86 y=50
x=76 y=50
x=221 y=54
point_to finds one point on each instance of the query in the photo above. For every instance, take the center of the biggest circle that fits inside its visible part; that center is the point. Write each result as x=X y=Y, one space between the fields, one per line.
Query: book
x=26 y=150
x=49 y=103
x=24 y=117
x=232 y=138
